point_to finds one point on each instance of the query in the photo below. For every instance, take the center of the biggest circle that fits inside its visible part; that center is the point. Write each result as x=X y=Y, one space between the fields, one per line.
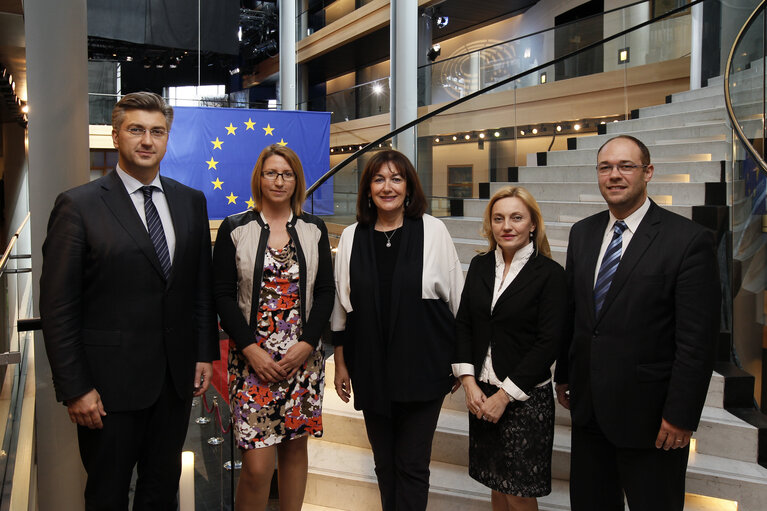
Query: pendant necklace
x=389 y=237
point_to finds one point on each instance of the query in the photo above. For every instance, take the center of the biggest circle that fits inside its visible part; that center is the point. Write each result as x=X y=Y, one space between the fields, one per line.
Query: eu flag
x=215 y=149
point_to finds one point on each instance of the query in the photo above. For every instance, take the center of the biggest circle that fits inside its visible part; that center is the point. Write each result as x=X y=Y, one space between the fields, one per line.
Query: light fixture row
x=16 y=107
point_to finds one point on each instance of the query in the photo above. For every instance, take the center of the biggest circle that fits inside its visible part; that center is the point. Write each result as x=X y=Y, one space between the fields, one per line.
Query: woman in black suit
x=509 y=325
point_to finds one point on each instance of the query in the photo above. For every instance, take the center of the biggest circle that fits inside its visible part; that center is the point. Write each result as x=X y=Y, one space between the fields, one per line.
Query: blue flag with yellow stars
x=215 y=149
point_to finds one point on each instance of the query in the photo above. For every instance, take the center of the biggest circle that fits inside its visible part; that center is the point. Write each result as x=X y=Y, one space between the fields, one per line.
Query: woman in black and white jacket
x=398 y=281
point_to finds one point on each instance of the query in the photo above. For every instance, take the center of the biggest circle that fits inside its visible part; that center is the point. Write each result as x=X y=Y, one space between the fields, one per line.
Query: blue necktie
x=609 y=265
x=156 y=232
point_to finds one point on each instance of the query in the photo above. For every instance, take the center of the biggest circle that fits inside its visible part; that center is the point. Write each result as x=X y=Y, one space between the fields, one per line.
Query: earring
x=370 y=203
x=532 y=235
x=407 y=200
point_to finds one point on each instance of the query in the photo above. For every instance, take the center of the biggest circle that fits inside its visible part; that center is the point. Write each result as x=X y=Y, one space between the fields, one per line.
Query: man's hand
x=494 y=406
x=672 y=437
x=203 y=374
x=563 y=394
x=265 y=368
x=295 y=357
x=87 y=410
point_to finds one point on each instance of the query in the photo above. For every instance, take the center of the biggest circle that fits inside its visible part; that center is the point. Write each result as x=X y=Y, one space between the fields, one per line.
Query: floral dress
x=266 y=413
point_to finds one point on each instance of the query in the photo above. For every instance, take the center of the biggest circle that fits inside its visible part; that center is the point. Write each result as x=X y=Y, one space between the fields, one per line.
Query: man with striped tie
x=127 y=312
x=637 y=359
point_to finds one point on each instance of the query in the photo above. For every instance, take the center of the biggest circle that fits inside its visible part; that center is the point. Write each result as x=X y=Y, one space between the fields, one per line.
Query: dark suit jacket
x=650 y=352
x=110 y=320
x=525 y=327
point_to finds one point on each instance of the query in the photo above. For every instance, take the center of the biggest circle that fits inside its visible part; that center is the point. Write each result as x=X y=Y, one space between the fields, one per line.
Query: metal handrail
x=728 y=101
x=11 y=243
x=479 y=92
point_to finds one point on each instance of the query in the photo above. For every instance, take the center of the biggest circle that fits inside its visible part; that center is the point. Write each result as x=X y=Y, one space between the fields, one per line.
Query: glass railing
x=363 y=100
x=465 y=72
x=17 y=385
x=747 y=262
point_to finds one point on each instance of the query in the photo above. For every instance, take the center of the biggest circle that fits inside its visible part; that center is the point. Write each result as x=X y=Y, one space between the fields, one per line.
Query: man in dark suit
x=644 y=292
x=127 y=312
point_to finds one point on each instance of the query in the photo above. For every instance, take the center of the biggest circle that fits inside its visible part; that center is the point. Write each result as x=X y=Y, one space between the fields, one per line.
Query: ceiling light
x=481 y=135
x=497 y=134
x=577 y=127
x=521 y=132
x=442 y=21
x=436 y=140
x=467 y=136
x=559 y=128
x=455 y=138
x=434 y=52
x=377 y=88
x=535 y=131
x=543 y=78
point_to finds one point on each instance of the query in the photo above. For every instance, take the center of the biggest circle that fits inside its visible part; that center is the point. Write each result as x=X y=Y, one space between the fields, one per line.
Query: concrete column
x=696 y=46
x=288 y=54
x=57 y=78
x=404 y=72
x=425 y=24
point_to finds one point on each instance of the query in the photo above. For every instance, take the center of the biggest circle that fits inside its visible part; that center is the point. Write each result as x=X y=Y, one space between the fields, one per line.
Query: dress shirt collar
x=132 y=184
x=634 y=219
x=521 y=255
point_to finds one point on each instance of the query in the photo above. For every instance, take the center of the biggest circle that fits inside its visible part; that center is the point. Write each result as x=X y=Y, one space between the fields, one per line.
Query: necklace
x=389 y=237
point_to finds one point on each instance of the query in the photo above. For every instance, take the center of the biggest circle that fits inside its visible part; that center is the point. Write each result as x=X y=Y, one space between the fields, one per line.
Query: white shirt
x=632 y=222
x=487 y=374
x=133 y=186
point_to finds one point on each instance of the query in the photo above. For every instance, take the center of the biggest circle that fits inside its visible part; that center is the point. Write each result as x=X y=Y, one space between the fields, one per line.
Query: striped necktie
x=609 y=265
x=156 y=232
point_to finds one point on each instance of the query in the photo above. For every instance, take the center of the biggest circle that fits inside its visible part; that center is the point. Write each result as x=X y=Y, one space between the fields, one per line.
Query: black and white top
x=412 y=361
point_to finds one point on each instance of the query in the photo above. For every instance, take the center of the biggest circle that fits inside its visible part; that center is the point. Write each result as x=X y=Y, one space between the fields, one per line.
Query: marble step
x=674 y=193
x=563 y=211
x=690 y=118
x=700 y=151
x=705 y=132
x=693 y=172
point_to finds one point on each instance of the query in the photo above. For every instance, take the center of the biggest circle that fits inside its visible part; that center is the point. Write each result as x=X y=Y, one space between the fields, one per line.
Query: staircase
x=690 y=142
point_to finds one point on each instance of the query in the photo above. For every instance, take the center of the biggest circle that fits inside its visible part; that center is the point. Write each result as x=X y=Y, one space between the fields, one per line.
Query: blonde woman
x=509 y=326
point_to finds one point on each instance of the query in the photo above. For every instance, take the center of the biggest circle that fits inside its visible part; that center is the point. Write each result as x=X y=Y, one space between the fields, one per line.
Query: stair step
x=698 y=172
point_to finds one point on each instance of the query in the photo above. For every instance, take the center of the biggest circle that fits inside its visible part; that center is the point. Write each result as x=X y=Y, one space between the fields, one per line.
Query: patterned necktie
x=156 y=232
x=609 y=265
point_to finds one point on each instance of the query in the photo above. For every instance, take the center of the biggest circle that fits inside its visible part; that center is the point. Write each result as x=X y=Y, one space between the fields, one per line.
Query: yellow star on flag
x=250 y=123
x=212 y=163
x=282 y=142
x=230 y=130
x=217 y=184
x=268 y=130
x=217 y=143
x=251 y=203
x=232 y=198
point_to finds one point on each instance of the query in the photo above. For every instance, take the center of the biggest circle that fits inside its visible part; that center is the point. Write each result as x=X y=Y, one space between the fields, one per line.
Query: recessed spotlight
x=455 y=138
x=331 y=149
x=497 y=134
x=467 y=136
x=577 y=127
x=535 y=131
x=521 y=132
x=603 y=122
x=436 y=140
x=481 y=135
x=559 y=128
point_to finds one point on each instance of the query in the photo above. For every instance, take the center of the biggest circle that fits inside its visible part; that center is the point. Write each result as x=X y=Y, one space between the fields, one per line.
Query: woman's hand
x=474 y=395
x=295 y=357
x=493 y=407
x=342 y=381
x=265 y=368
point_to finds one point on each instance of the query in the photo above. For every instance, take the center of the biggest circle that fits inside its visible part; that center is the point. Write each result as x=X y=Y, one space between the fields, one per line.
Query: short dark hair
x=299 y=194
x=642 y=148
x=366 y=210
x=141 y=101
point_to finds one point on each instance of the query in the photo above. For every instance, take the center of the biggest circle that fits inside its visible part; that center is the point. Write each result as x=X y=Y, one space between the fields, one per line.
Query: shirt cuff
x=463 y=369
x=514 y=392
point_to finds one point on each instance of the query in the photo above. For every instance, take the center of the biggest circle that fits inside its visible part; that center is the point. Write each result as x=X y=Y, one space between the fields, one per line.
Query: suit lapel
x=525 y=275
x=640 y=242
x=180 y=223
x=120 y=204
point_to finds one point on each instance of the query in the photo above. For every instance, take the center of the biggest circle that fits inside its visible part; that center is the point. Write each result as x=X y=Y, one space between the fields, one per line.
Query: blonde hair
x=540 y=241
x=299 y=194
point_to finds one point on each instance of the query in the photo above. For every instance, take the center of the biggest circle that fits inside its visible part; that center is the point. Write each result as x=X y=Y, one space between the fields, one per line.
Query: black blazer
x=650 y=352
x=110 y=320
x=525 y=327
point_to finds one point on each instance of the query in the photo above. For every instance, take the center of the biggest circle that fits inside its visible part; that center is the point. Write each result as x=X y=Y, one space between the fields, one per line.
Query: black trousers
x=600 y=473
x=401 y=446
x=150 y=438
